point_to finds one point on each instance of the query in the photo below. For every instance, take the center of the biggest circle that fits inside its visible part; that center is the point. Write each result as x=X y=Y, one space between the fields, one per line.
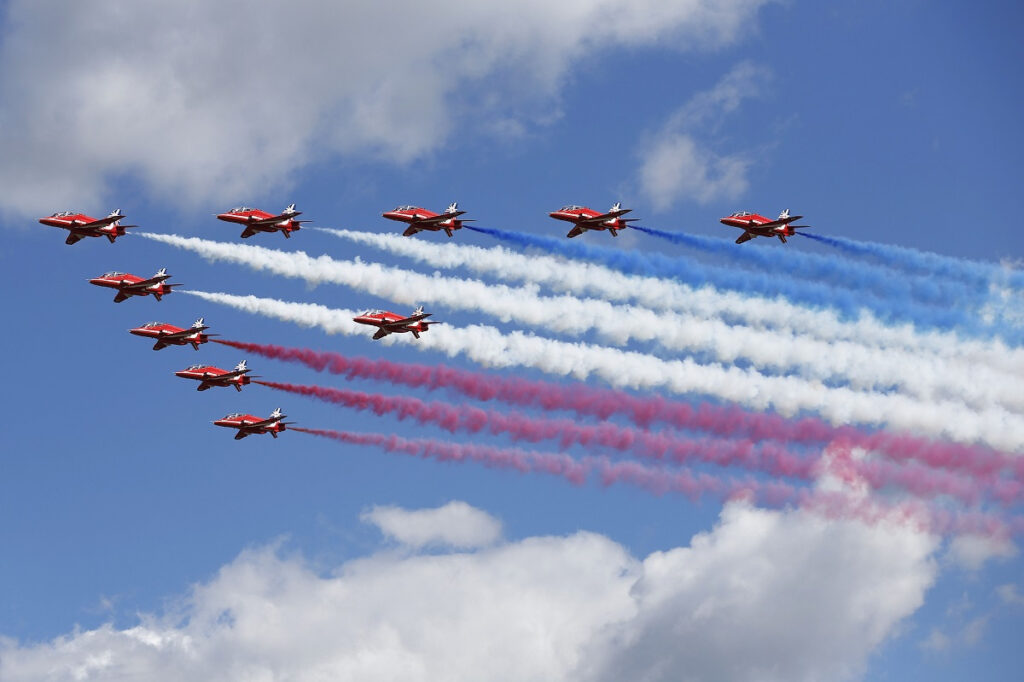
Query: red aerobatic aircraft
x=422 y=219
x=169 y=335
x=390 y=323
x=588 y=219
x=210 y=376
x=754 y=225
x=247 y=424
x=128 y=285
x=256 y=220
x=80 y=225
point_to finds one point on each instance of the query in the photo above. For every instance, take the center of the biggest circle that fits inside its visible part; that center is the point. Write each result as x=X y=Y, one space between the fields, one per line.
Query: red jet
x=80 y=225
x=169 y=335
x=129 y=285
x=210 y=376
x=256 y=220
x=588 y=219
x=391 y=323
x=422 y=219
x=754 y=225
x=247 y=424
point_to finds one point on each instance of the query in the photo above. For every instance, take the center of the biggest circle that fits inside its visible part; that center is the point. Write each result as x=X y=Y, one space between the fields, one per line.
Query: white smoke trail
x=788 y=396
x=926 y=377
x=583 y=277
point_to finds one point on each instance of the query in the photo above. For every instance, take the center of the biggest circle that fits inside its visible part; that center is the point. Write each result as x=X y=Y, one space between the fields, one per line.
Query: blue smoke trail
x=835 y=270
x=847 y=303
x=922 y=262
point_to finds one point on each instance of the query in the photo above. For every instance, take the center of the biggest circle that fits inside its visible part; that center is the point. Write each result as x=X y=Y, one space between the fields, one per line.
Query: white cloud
x=1010 y=594
x=765 y=595
x=971 y=552
x=676 y=165
x=455 y=524
x=966 y=635
x=203 y=102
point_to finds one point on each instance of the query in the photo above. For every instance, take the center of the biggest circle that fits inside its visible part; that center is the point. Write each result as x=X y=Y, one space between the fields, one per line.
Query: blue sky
x=886 y=122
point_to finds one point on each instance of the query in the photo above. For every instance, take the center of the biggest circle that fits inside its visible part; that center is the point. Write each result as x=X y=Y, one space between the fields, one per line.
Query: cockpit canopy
x=371 y=312
x=63 y=214
x=241 y=209
x=112 y=274
x=405 y=208
x=741 y=214
x=235 y=415
x=570 y=207
x=192 y=368
x=150 y=325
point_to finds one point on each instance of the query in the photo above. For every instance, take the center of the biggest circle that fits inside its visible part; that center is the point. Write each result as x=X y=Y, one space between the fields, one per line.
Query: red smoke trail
x=521 y=460
x=769 y=457
x=602 y=403
x=773 y=459
x=659 y=481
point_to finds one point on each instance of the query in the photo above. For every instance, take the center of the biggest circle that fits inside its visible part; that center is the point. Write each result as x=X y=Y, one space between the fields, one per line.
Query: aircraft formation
x=418 y=219
x=254 y=221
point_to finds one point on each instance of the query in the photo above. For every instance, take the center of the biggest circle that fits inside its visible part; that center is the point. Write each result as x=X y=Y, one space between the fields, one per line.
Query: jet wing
x=227 y=375
x=121 y=296
x=146 y=283
x=256 y=426
x=575 y=232
x=241 y=434
x=74 y=237
x=102 y=222
x=438 y=218
x=779 y=223
x=272 y=220
x=603 y=217
x=406 y=320
x=184 y=333
x=745 y=237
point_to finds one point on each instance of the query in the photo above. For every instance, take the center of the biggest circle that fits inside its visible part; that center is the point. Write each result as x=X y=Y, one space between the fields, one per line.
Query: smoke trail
x=828 y=268
x=660 y=481
x=604 y=403
x=849 y=304
x=786 y=395
x=767 y=457
x=974 y=273
x=861 y=369
x=704 y=303
x=521 y=460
